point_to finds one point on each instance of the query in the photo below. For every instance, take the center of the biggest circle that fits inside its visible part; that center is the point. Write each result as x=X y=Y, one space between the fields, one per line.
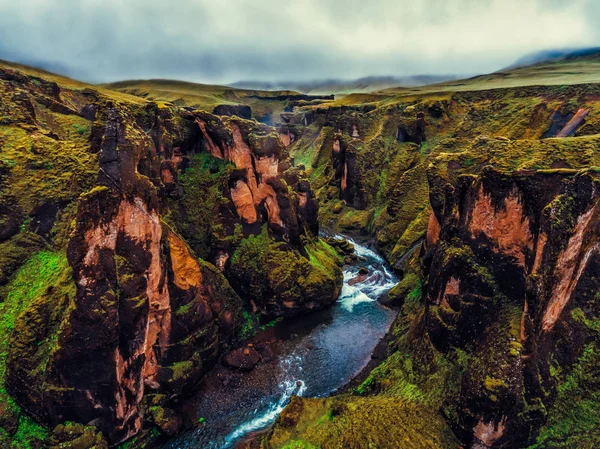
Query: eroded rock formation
x=148 y=317
x=133 y=317
x=260 y=187
x=514 y=256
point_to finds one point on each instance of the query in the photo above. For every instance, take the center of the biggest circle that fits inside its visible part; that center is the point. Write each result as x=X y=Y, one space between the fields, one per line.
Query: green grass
x=249 y=325
x=574 y=418
x=29 y=434
x=299 y=444
x=80 y=129
x=202 y=96
x=42 y=271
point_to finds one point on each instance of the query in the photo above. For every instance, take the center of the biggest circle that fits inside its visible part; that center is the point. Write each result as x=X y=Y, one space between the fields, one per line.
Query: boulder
x=76 y=436
x=244 y=358
x=166 y=419
x=362 y=276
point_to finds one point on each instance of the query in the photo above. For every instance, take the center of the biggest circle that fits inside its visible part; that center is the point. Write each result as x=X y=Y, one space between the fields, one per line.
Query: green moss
x=299 y=444
x=409 y=288
x=197 y=214
x=44 y=169
x=364 y=421
x=180 y=369
x=39 y=273
x=71 y=435
x=272 y=273
x=416 y=295
x=574 y=418
x=44 y=279
x=250 y=325
x=13 y=254
x=29 y=435
x=494 y=385
x=80 y=129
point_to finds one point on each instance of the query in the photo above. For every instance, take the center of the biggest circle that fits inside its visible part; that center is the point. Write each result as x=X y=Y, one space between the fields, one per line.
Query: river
x=313 y=356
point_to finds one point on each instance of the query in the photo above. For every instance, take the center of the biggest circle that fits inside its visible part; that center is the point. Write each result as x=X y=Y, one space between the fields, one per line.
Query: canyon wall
x=486 y=205
x=513 y=272
x=136 y=307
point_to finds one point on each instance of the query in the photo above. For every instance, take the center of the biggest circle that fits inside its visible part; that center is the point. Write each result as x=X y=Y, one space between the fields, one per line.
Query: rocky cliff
x=124 y=222
x=368 y=155
x=486 y=204
x=496 y=345
x=513 y=279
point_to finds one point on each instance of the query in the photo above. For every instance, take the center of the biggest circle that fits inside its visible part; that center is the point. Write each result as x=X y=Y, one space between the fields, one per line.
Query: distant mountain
x=554 y=55
x=359 y=85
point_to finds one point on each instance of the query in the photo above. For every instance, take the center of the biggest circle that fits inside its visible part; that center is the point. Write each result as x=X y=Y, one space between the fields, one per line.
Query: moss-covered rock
x=398 y=293
x=166 y=419
x=280 y=281
x=76 y=436
x=136 y=194
x=355 y=422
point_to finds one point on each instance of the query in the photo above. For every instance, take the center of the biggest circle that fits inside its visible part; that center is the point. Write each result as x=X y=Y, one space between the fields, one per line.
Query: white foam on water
x=379 y=281
x=351 y=295
x=289 y=387
x=363 y=251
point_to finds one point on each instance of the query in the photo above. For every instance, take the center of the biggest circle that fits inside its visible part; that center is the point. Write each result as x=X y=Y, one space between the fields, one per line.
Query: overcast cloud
x=222 y=41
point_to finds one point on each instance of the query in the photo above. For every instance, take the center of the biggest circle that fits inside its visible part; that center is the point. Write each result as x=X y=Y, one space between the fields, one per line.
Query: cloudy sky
x=223 y=41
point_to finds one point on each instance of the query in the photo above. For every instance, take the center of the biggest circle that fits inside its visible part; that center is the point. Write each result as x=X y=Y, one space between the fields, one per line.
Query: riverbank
x=313 y=356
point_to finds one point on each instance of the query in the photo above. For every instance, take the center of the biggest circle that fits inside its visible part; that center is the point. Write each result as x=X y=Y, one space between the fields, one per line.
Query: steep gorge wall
x=368 y=163
x=138 y=317
x=515 y=261
x=494 y=230
x=496 y=342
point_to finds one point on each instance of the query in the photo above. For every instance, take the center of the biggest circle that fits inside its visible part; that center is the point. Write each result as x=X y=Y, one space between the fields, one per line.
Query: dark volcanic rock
x=244 y=358
x=416 y=134
x=519 y=248
x=239 y=110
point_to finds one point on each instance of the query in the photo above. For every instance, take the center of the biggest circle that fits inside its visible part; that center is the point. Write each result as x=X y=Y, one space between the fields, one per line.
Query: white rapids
x=319 y=353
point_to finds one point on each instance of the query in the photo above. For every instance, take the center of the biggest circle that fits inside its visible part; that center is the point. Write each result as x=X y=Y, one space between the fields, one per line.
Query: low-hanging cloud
x=227 y=40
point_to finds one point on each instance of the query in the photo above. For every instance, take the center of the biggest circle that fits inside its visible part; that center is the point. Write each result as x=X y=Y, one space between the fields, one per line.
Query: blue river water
x=316 y=354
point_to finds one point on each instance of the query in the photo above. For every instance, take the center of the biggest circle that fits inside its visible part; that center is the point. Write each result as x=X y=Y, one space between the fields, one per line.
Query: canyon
x=155 y=254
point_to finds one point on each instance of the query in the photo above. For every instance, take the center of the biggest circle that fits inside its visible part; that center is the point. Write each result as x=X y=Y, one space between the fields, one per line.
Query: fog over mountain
x=267 y=40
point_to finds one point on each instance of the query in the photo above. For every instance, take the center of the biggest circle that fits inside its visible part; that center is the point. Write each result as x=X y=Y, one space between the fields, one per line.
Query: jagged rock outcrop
x=259 y=187
x=147 y=317
x=141 y=198
x=416 y=133
x=344 y=158
x=240 y=110
x=514 y=267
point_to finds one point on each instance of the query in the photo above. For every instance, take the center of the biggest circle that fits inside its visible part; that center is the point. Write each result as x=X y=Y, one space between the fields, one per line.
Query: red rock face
x=433 y=230
x=344 y=160
x=137 y=319
x=337 y=145
x=213 y=149
x=577 y=120
x=149 y=318
x=242 y=198
x=571 y=264
x=500 y=243
x=260 y=186
x=506 y=226
x=144 y=302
